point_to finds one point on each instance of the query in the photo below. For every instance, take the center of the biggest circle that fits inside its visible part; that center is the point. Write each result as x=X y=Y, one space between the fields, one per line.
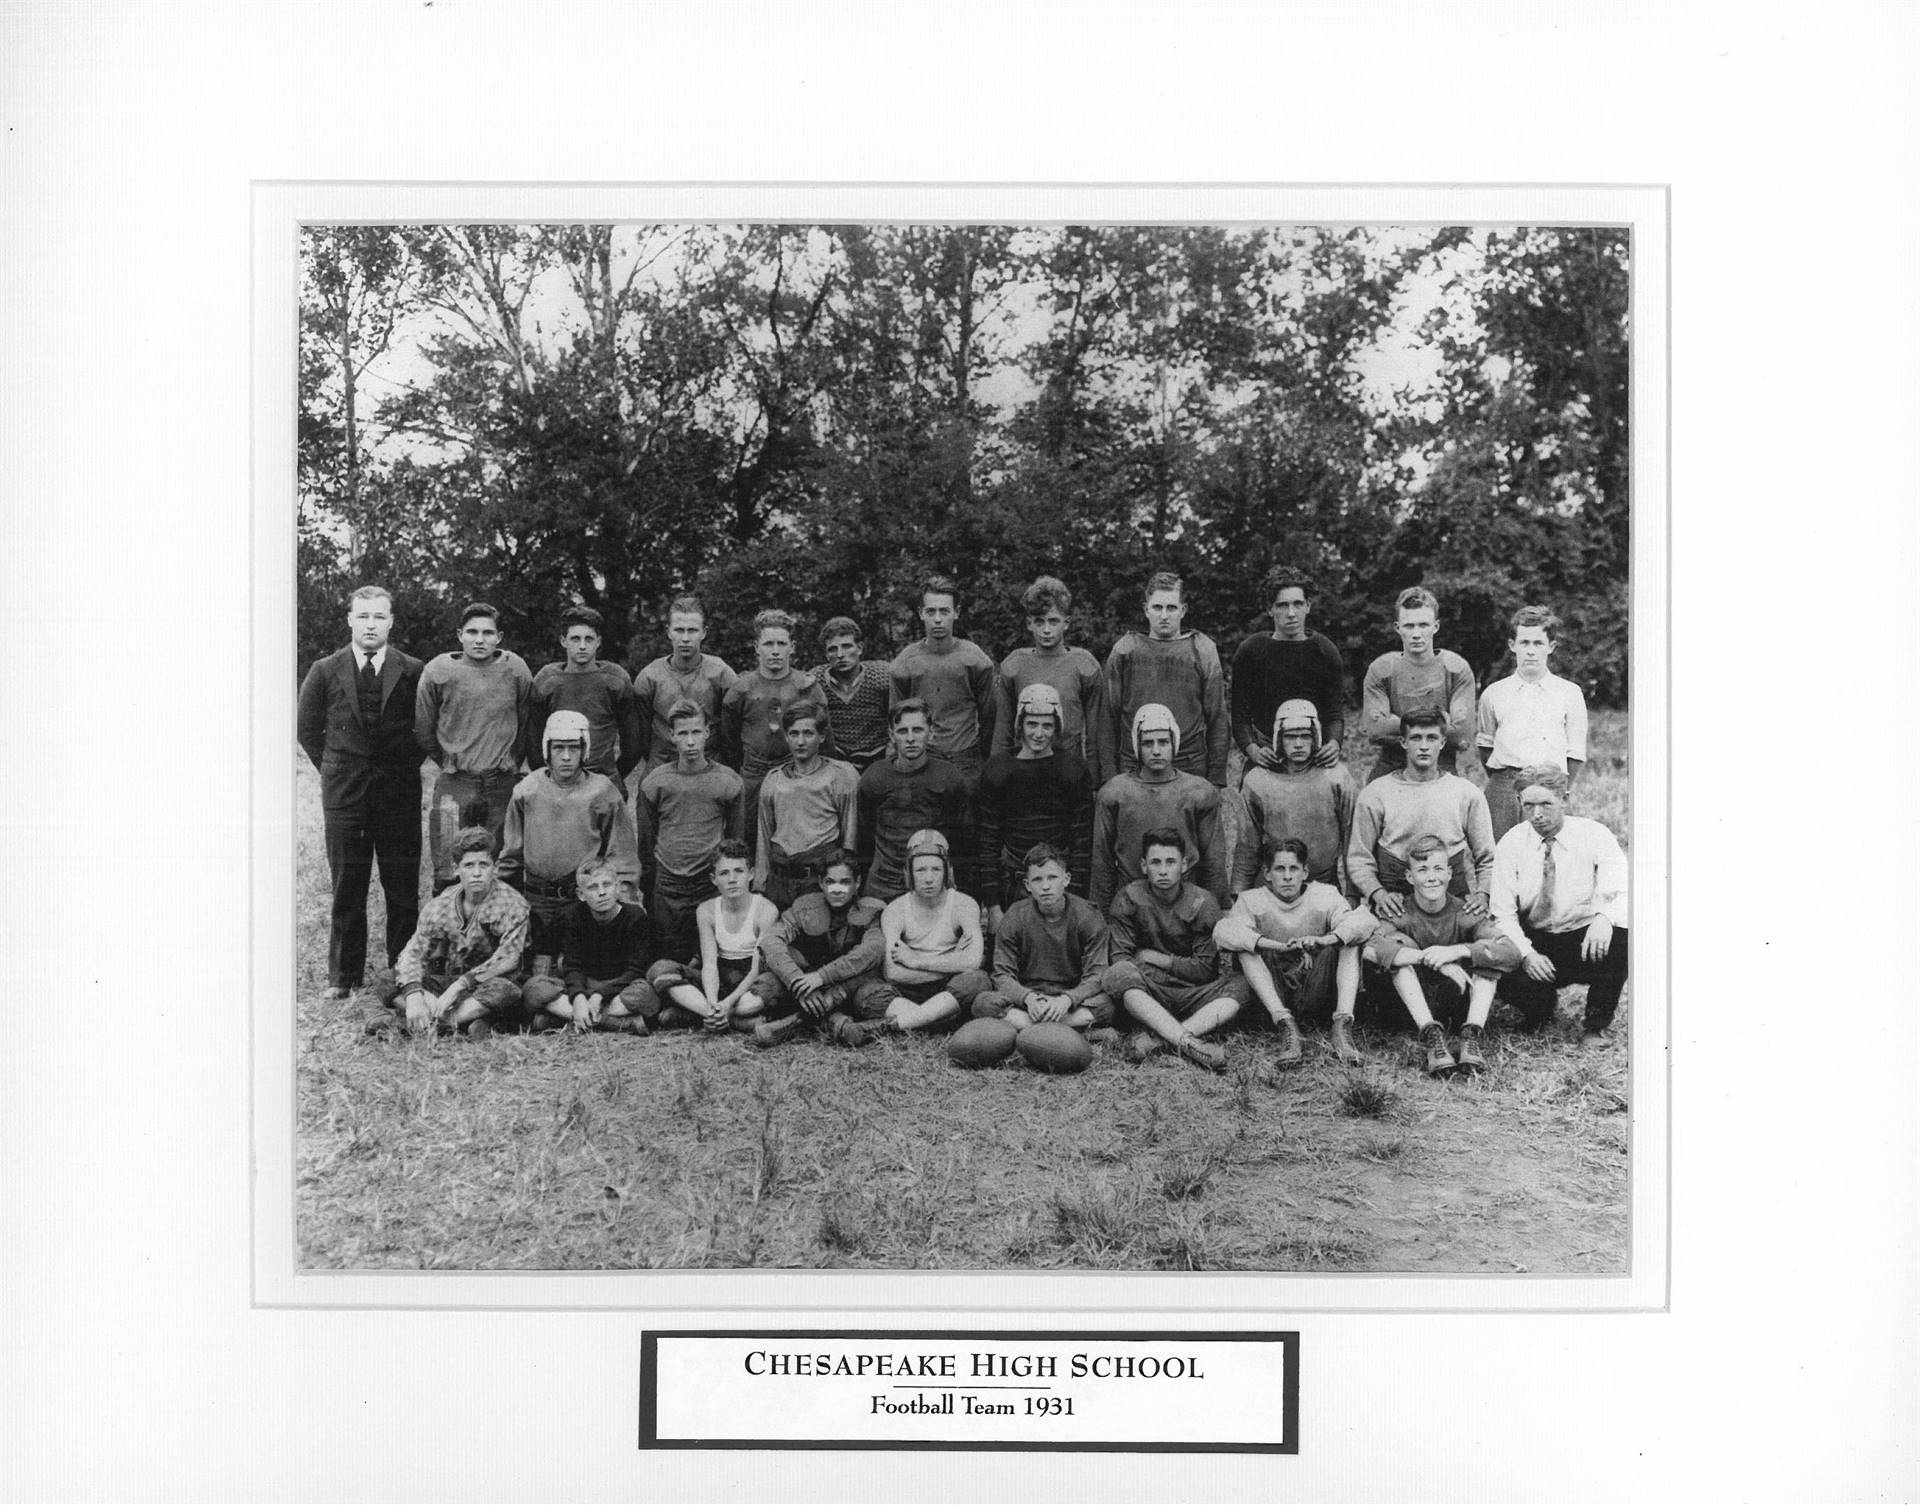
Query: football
x=1054 y=1047
x=981 y=1042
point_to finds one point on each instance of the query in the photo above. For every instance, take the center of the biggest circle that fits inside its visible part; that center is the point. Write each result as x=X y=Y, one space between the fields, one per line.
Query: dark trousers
x=1604 y=978
x=355 y=840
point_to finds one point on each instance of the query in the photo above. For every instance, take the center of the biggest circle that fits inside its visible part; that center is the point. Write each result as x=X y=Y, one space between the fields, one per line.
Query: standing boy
x=1050 y=955
x=955 y=679
x=1298 y=945
x=1172 y=667
x=558 y=817
x=1394 y=812
x=1166 y=968
x=457 y=971
x=600 y=691
x=604 y=954
x=470 y=716
x=934 y=945
x=1295 y=794
x=1155 y=794
x=356 y=725
x=806 y=810
x=1426 y=953
x=1073 y=674
x=908 y=792
x=1560 y=895
x=824 y=956
x=1529 y=718
x=686 y=809
x=1289 y=663
x=686 y=673
x=1040 y=793
x=750 y=735
x=858 y=690
x=1417 y=677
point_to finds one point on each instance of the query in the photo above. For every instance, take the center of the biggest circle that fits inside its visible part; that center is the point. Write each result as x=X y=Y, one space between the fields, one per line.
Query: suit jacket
x=362 y=765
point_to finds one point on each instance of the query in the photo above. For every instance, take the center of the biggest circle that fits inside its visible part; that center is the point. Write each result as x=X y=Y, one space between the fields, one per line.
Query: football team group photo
x=968 y=747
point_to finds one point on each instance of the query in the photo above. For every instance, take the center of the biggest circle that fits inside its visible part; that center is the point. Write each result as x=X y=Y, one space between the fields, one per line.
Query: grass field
x=560 y=1151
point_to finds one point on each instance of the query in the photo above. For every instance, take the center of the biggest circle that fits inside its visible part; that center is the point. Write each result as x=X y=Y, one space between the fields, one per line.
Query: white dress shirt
x=1589 y=879
x=1524 y=724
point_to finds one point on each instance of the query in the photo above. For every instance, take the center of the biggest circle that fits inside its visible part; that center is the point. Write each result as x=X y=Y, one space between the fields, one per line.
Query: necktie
x=1541 y=910
x=368 y=674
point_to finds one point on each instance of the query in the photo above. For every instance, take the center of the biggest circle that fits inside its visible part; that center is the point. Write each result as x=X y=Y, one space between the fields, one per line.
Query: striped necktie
x=1541 y=910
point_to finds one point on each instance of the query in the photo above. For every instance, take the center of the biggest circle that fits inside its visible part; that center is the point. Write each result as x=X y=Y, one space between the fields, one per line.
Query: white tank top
x=738 y=945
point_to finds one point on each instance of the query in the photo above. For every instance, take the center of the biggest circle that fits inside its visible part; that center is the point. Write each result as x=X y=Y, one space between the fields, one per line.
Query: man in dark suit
x=356 y=724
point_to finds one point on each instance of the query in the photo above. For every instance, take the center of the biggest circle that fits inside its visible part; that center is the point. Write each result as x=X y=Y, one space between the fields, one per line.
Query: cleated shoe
x=772 y=1032
x=1289 y=1033
x=479 y=1030
x=1344 y=1050
x=1472 y=1063
x=853 y=1033
x=1193 y=1048
x=1103 y=1035
x=1440 y=1060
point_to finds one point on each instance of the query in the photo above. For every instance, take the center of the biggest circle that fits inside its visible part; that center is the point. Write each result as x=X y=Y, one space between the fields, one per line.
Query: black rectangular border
x=649 y=1418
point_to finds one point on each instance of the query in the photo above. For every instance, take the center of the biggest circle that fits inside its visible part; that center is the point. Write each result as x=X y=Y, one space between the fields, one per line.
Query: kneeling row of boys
x=852 y=968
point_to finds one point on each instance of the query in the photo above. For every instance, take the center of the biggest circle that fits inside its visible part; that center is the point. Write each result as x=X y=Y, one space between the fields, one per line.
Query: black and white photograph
x=958 y=752
x=964 y=746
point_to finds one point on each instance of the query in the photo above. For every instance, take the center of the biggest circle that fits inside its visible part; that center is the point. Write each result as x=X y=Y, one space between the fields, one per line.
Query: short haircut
x=1423 y=715
x=1414 y=598
x=371 y=593
x=479 y=609
x=800 y=710
x=841 y=858
x=841 y=627
x=687 y=605
x=1039 y=855
x=685 y=710
x=768 y=620
x=1291 y=844
x=1286 y=577
x=1161 y=836
x=1047 y=594
x=581 y=616
x=906 y=707
x=1165 y=580
x=939 y=585
x=1424 y=847
x=593 y=867
x=472 y=839
x=731 y=849
x=1546 y=776
x=1534 y=616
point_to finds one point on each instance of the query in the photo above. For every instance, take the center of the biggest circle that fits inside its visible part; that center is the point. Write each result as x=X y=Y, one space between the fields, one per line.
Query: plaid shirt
x=476 y=946
x=859 y=716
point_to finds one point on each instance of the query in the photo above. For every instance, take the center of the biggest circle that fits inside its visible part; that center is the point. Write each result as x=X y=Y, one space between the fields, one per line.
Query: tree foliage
x=816 y=416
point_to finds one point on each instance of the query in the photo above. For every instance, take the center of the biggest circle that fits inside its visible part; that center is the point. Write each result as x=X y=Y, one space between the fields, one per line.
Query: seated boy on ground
x=732 y=928
x=823 y=962
x=457 y=971
x=1049 y=956
x=604 y=951
x=1298 y=944
x=931 y=965
x=1426 y=954
x=1166 y=969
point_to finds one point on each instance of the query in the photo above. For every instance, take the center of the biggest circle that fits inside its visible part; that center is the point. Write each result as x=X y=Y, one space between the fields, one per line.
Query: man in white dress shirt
x=1560 y=895
x=1529 y=718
